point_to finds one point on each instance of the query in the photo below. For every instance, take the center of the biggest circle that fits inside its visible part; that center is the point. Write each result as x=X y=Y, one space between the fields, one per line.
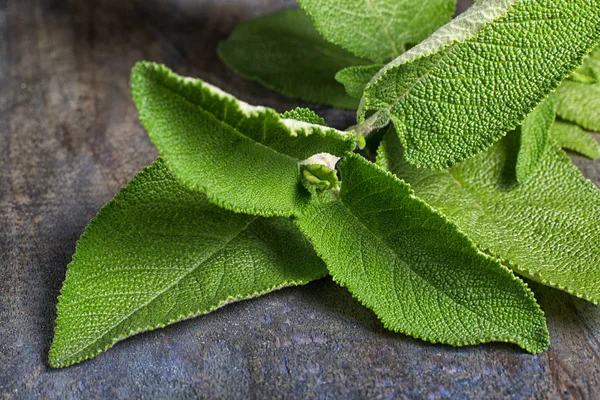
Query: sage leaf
x=413 y=268
x=377 y=29
x=578 y=101
x=546 y=229
x=284 y=53
x=535 y=132
x=572 y=137
x=159 y=253
x=303 y=114
x=478 y=77
x=356 y=78
x=244 y=158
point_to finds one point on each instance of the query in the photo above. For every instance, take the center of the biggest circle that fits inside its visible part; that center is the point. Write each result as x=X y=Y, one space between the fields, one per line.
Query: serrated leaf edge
x=472 y=246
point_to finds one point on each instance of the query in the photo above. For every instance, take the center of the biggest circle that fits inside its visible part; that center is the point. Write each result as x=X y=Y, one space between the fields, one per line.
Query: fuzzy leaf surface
x=572 y=137
x=578 y=101
x=377 y=29
x=159 y=253
x=303 y=114
x=535 y=132
x=546 y=229
x=245 y=158
x=356 y=78
x=411 y=266
x=478 y=77
x=285 y=53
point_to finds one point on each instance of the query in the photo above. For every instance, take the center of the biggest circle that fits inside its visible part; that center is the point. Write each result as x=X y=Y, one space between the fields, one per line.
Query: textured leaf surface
x=418 y=273
x=285 y=53
x=356 y=78
x=579 y=101
x=479 y=76
x=547 y=229
x=303 y=114
x=244 y=158
x=377 y=29
x=572 y=137
x=535 y=132
x=160 y=252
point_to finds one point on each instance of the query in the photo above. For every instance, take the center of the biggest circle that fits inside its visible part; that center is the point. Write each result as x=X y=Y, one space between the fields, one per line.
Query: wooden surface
x=70 y=138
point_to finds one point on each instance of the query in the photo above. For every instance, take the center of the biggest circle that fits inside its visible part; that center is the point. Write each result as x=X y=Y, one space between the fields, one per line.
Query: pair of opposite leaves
x=161 y=251
x=73 y=346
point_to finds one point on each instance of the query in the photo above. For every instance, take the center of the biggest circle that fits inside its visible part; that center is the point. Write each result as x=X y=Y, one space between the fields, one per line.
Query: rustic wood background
x=70 y=138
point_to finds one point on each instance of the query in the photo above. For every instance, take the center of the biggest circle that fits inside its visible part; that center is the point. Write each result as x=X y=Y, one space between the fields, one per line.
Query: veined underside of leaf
x=244 y=158
x=159 y=253
x=377 y=29
x=419 y=274
x=457 y=92
x=546 y=229
x=285 y=53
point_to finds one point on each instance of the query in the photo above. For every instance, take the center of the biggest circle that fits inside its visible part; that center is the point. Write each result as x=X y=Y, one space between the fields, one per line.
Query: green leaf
x=456 y=93
x=534 y=138
x=159 y=253
x=303 y=114
x=285 y=53
x=377 y=29
x=418 y=273
x=571 y=137
x=244 y=158
x=546 y=229
x=356 y=78
x=579 y=103
x=589 y=72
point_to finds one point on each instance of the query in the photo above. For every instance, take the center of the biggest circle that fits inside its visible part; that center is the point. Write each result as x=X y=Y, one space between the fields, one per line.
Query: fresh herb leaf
x=572 y=137
x=244 y=158
x=303 y=114
x=457 y=92
x=159 y=253
x=418 y=273
x=285 y=53
x=589 y=72
x=356 y=78
x=578 y=98
x=377 y=29
x=535 y=132
x=579 y=103
x=545 y=229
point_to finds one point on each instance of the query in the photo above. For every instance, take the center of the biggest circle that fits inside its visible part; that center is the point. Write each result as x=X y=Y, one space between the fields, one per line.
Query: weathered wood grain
x=69 y=139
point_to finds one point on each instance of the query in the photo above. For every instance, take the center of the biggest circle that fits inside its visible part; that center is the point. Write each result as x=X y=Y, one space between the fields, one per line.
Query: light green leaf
x=546 y=229
x=244 y=158
x=589 y=72
x=572 y=137
x=356 y=78
x=285 y=53
x=418 y=273
x=579 y=103
x=578 y=98
x=534 y=138
x=159 y=253
x=377 y=29
x=303 y=114
x=456 y=93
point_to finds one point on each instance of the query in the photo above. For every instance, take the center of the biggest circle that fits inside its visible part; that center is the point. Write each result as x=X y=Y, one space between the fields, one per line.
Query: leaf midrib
x=383 y=27
x=161 y=292
x=397 y=257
